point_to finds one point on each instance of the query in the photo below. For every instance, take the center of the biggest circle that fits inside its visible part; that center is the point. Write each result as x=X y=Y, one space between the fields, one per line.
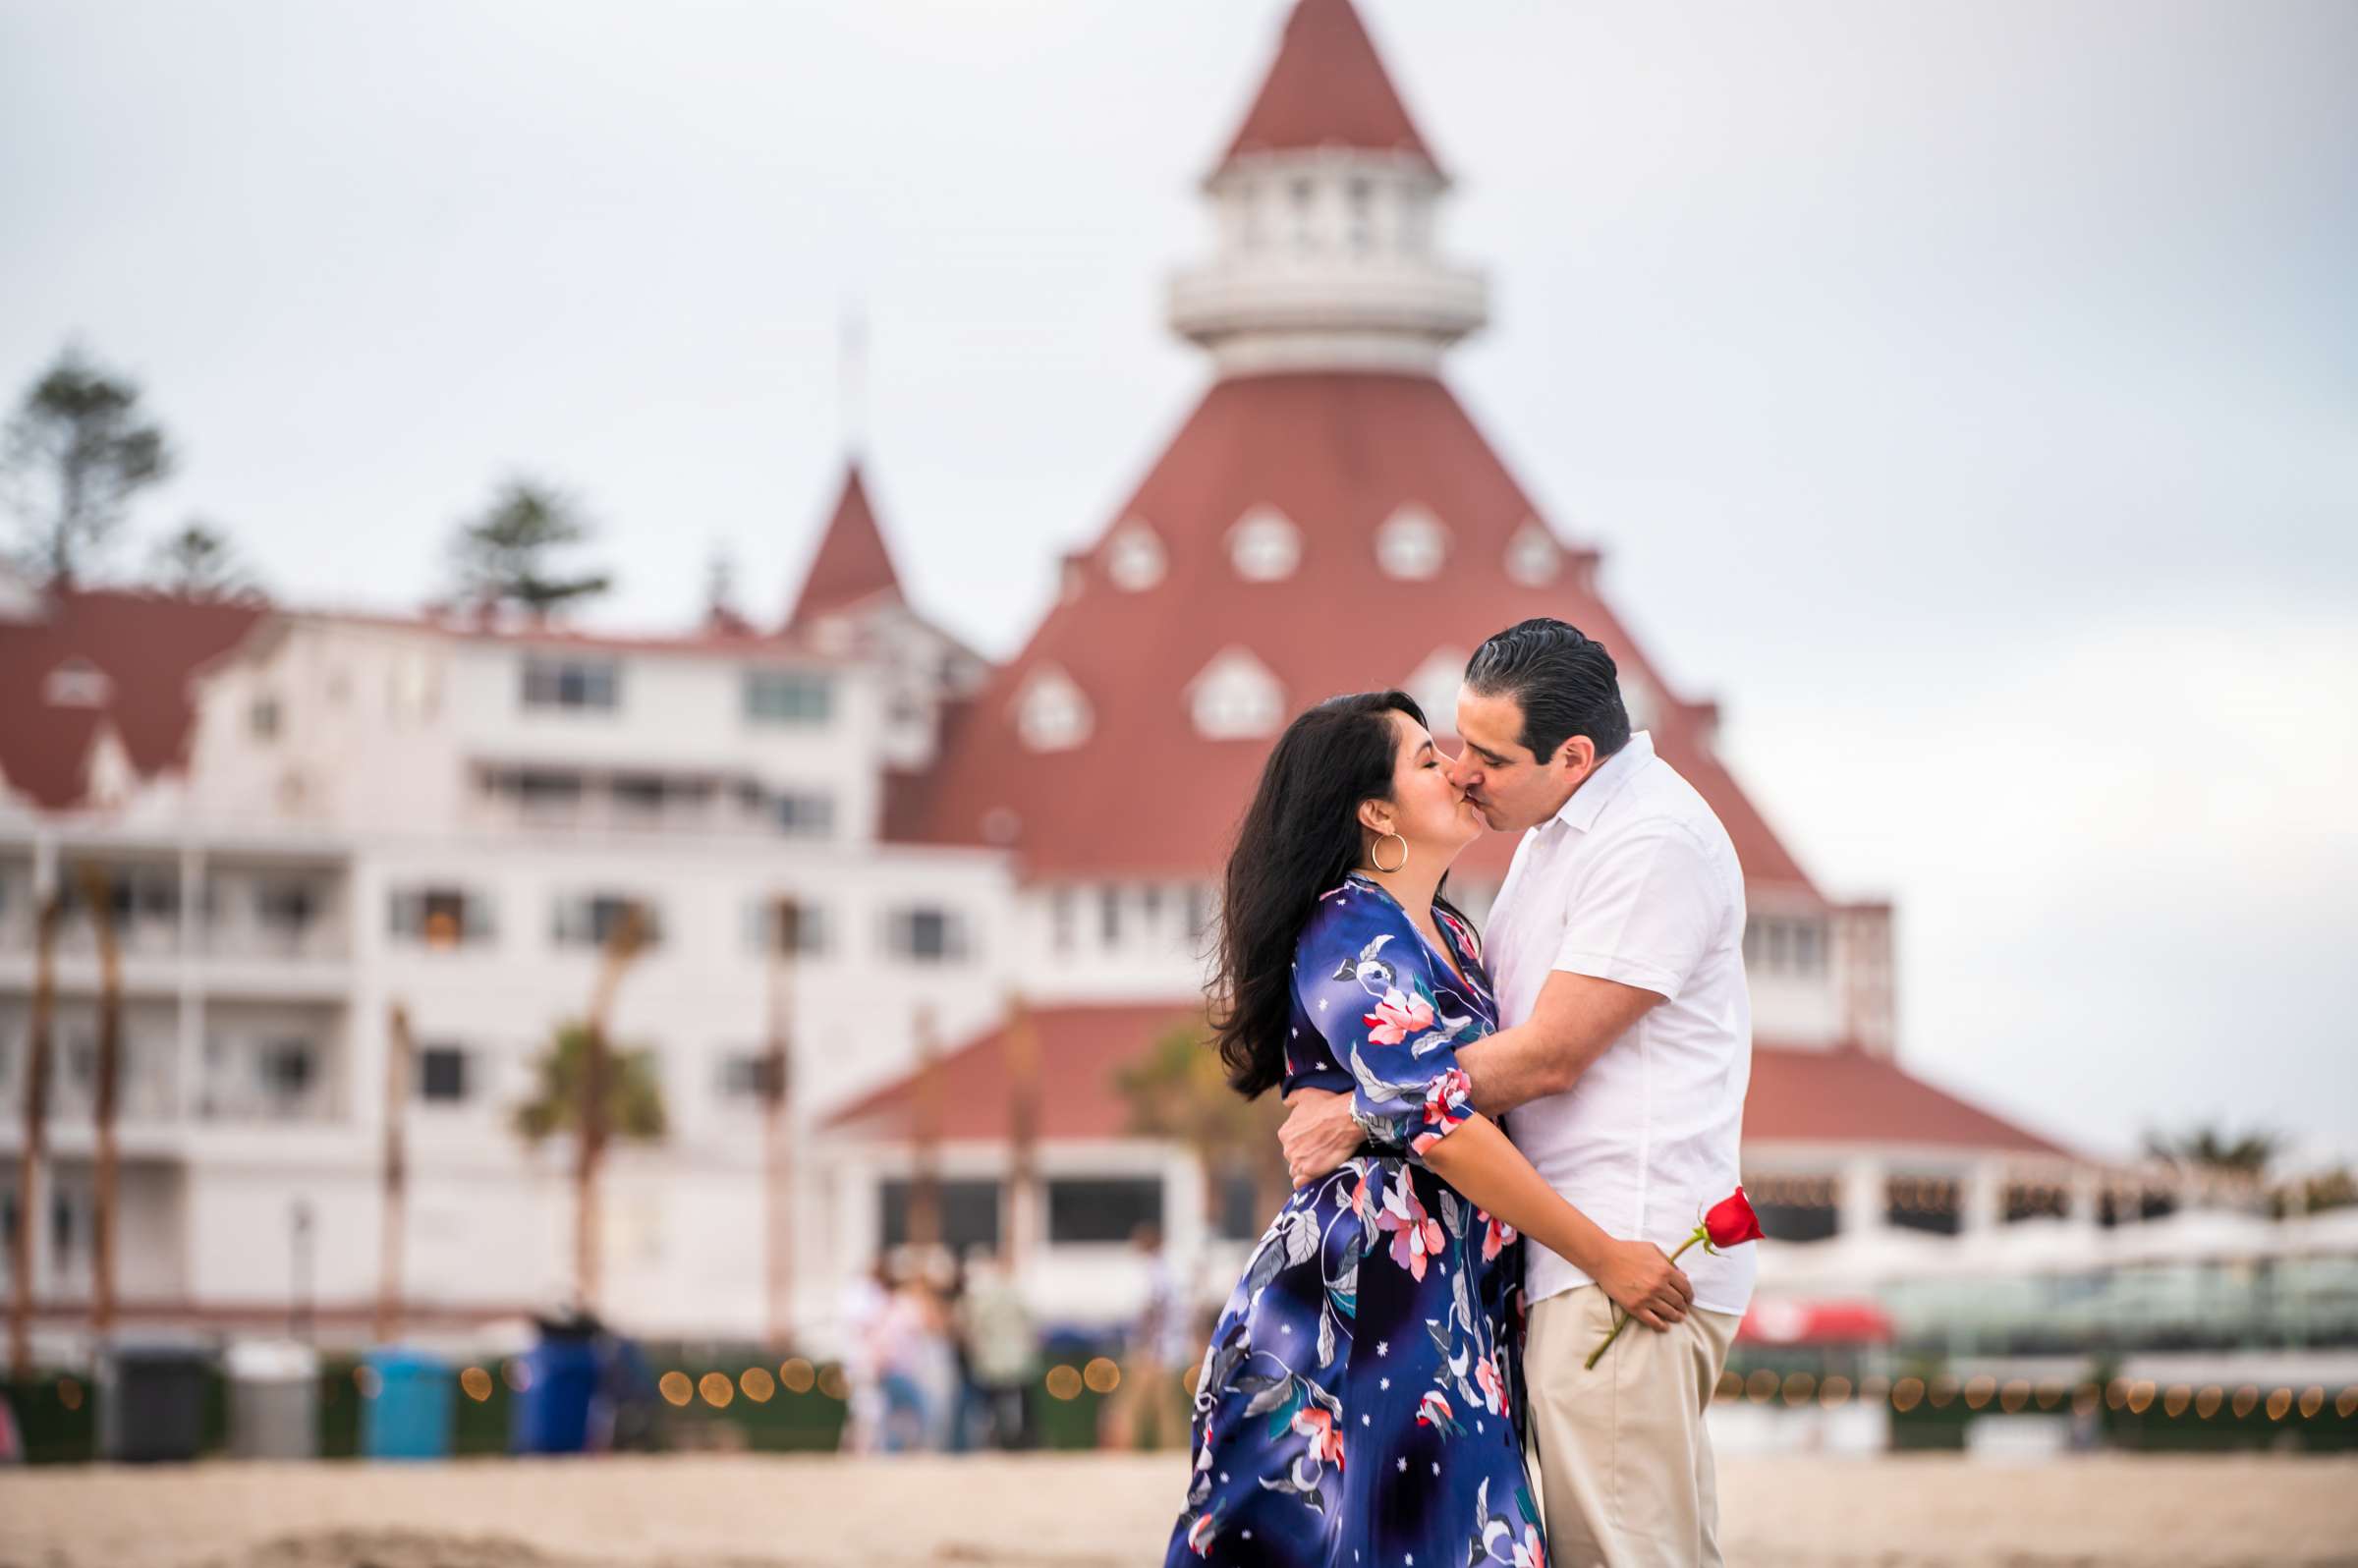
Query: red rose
x=1731 y=1221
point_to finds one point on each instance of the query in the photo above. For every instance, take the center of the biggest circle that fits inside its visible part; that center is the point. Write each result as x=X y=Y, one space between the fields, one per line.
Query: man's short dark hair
x=1564 y=680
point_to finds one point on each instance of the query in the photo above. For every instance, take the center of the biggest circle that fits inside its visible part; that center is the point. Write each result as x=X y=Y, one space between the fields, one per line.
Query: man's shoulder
x=1660 y=801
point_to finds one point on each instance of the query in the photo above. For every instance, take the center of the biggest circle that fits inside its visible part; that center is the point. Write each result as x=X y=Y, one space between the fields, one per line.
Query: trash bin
x=551 y=1415
x=151 y=1401
x=273 y=1400
x=405 y=1404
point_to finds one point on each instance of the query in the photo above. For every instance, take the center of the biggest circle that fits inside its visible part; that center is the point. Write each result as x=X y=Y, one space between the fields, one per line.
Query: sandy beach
x=1091 y=1511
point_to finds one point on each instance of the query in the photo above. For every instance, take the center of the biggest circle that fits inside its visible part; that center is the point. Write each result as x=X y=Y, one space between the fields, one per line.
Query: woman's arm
x=1477 y=1159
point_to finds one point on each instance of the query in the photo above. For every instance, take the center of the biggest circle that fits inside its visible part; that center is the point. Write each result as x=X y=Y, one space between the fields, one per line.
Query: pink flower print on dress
x=1399 y=1015
x=1416 y=1235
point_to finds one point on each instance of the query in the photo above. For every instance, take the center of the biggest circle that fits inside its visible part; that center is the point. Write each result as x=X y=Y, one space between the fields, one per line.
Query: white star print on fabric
x=1384 y=1347
x=1384 y=1382
x=1403 y=1462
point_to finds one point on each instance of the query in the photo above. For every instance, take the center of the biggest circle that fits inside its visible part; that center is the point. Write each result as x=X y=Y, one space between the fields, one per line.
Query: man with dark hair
x=1616 y=946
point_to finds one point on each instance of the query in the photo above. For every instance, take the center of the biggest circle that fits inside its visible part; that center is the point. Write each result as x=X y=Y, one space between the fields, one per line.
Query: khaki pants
x=1623 y=1462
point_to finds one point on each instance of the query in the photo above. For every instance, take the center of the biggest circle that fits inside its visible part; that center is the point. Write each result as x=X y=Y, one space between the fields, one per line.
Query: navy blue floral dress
x=1358 y=1401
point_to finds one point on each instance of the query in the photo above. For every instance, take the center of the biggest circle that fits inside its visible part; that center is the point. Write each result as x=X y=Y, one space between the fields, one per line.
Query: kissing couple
x=1491 y=1142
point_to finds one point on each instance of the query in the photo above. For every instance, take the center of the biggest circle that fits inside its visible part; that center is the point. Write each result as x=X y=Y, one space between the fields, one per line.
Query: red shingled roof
x=852 y=561
x=1327 y=88
x=1338 y=454
x=1799 y=1094
x=146 y=643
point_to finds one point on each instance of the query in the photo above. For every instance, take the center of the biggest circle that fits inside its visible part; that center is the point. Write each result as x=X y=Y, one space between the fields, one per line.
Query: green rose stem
x=1702 y=1234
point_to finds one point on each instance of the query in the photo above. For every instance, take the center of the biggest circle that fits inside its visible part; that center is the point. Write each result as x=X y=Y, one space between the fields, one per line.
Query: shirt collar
x=1588 y=801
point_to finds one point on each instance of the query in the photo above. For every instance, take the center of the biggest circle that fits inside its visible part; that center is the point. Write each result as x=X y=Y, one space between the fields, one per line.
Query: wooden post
x=924 y=1191
x=777 y=1132
x=1024 y=1225
x=37 y=1113
x=393 y=1233
x=104 y=1195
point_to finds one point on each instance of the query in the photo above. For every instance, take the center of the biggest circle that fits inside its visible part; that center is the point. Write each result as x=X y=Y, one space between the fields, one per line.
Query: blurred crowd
x=945 y=1356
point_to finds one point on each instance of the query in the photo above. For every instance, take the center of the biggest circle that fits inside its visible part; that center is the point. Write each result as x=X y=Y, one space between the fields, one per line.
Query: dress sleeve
x=1364 y=976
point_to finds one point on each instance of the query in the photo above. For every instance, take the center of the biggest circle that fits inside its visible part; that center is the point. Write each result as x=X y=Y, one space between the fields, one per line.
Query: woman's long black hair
x=1299 y=837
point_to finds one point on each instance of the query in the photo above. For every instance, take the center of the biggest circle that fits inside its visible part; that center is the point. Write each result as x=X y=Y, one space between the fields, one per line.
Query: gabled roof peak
x=1327 y=87
x=852 y=562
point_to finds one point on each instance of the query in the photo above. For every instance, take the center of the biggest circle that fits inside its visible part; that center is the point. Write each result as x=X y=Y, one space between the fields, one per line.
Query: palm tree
x=2212 y=1149
x=504 y=556
x=36 y=1115
x=584 y=1088
x=97 y=898
x=1179 y=1091
x=79 y=443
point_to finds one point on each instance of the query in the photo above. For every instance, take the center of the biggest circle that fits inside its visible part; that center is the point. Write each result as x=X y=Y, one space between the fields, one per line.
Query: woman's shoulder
x=1353 y=924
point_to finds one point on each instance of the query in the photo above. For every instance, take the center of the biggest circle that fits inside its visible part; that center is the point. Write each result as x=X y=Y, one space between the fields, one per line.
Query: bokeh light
x=477 y=1382
x=757 y=1385
x=1063 y=1383
x=676 y=1387
x=716 y=1389
x=798 y=1375
x=1101 y=1375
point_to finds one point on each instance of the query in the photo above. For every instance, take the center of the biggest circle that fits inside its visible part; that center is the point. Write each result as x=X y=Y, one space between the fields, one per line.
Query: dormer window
x=77 y=683
x=1434 y=687
x=1532 y=557
x=1052 y=713
x=1640 y=699
x=1412 y=545
x=1236 y=699
x=1134 y=557
x=1265 y=546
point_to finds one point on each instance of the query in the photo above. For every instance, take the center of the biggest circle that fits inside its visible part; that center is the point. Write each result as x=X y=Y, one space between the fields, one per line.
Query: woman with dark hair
x=1358 y=1402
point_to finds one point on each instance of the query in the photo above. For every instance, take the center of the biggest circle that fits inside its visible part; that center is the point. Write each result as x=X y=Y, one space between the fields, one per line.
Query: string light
x=797 y=1375
x=2206 y=1403
x=2279 y=1403
x=1978 y=1392
x=1835 y=1392
x=832 y=1385
x=757 y=1385
x=716 y=1389
x=1101 y=1375
x=675 y=1387
x=2014 y=1396
x=2347 y=1405
x=477 y=1382
x=2173 y=1402
x=2312 y=1401
x=1761 y=1387
x=1063 y=1383
x=1906 y=1394
x=1798 y=1389
x=2141 y=1397
x=2245 y=1398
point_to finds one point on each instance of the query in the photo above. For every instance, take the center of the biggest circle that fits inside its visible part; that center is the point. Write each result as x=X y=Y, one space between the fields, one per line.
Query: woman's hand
x=1642 y=1282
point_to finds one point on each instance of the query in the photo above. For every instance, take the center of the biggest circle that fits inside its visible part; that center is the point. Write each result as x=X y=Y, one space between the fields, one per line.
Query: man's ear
x=1577 y=756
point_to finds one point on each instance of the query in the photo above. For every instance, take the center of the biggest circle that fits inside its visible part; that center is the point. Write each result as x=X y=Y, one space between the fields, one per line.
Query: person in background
x=1161 y=1338
x=1002 y=1351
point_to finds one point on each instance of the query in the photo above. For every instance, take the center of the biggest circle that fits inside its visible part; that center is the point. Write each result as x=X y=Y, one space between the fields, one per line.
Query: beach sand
x=1096 y=1511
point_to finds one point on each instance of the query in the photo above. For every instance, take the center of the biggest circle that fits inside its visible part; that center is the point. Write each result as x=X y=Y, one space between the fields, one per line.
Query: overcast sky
x=1966 y=394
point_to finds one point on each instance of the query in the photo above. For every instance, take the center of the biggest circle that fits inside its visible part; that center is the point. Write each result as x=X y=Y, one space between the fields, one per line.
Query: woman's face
x=1426 y=808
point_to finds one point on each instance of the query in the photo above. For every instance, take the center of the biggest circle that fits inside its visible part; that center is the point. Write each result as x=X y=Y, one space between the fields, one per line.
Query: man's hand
x=1318 y=1134
x=1643 y=1283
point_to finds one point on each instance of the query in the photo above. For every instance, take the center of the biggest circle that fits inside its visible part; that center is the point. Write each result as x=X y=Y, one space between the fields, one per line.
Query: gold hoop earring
x=1379 y=865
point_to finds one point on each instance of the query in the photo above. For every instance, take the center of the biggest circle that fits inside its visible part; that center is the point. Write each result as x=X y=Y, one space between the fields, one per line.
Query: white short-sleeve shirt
x=1635 y=881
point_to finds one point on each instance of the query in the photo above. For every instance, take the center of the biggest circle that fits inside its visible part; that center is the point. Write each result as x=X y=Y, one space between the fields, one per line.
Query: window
x=1532 y=556
x=1199 y=910
x=1134 y=557
x=968 y=1211
x=263 y=718
x=788 y=696
x=1236 y=1205
x=571 y=682
x=1434 y=685
x=288 y=1068
x=1109 y=913
x=1236 y=698
x=590 y=920
x=927 y=934
x=1061 y=919
x=77 y=683
x=1361 y=196
x=540 y=792
x=285 y=906
x=1265 y=546
x=1051 y=714
x=747 y=1076
x=442 y=1074
x=440 y=917
x=786 y=926
x=803 y=814
x=1302 y=196
x=1102 y=1208
x=1411 y=544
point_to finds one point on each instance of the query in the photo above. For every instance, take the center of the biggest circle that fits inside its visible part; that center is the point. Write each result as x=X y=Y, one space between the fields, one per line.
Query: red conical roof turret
x=1327 y=88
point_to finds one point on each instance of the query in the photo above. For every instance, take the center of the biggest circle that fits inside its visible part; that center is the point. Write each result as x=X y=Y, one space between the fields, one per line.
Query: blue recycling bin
x=407 y=1406
x=551 y=1413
